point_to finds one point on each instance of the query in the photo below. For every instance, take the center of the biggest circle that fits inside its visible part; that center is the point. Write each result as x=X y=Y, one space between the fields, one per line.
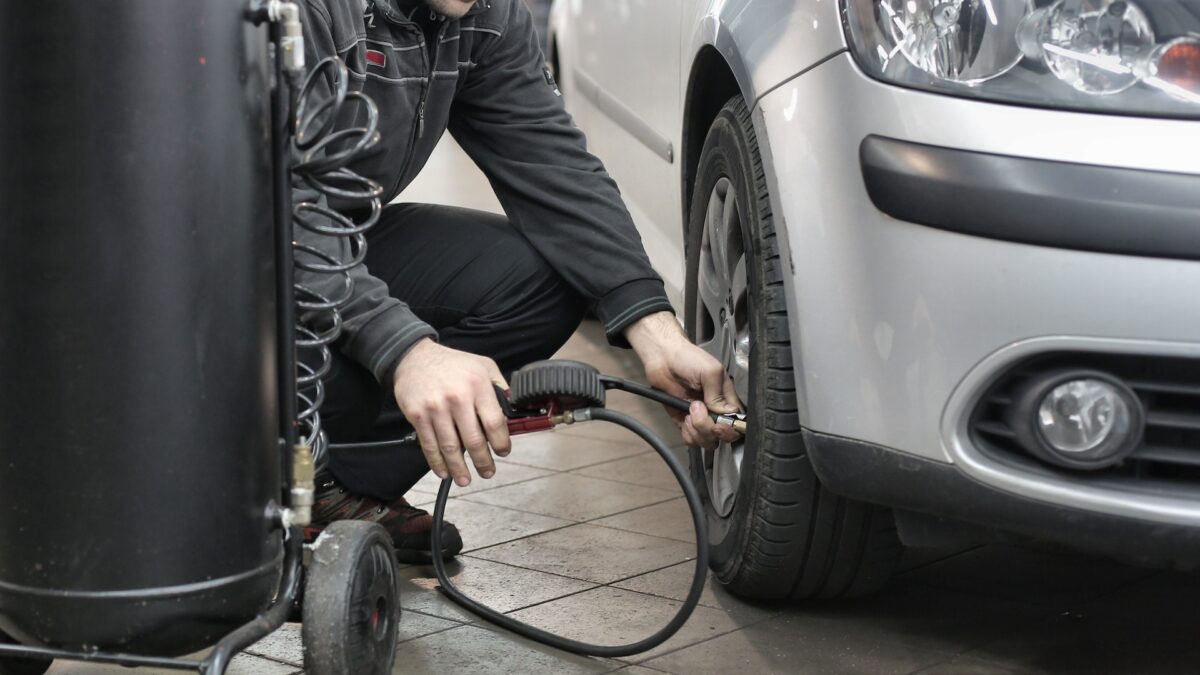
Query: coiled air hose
x=321 y=157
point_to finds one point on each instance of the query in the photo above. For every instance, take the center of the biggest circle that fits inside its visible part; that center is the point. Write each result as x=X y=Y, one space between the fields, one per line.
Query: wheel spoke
x=712 y=294
x=724 y=478
x=738 y=284
x=717 y=232
x=731 y=229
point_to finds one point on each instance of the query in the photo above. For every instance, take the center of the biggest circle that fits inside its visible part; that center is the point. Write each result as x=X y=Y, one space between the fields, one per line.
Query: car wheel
x=774 y=530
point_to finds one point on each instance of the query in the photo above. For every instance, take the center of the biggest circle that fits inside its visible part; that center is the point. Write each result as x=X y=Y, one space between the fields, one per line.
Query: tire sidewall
x=728 y=154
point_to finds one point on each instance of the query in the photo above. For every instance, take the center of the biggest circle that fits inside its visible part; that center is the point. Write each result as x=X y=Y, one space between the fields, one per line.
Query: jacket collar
x=400 y=10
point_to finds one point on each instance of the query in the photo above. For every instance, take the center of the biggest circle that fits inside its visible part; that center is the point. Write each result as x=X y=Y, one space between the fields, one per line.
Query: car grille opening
x=1169 y=390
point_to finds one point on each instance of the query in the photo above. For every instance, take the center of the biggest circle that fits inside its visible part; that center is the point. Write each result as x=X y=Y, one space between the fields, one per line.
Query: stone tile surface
x=483 y=525
x=613 y=616
x=792 y=644
x=591 y=553
x=474 y=649
x=1055 y=580
x=564 y=449
x=283 y=645
x=572 y=497
x=675 y=581
x=967 y=666
x=1084 y=644
x=502 y=587
x=646 y=469
x=505 y=475
x=670 y=520
x=926 y=618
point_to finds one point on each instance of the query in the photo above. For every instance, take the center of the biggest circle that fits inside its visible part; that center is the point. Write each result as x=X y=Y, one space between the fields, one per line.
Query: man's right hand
x=449 y=398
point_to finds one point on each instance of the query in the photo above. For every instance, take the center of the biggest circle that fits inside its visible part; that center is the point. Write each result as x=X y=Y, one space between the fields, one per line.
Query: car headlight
x=1132 y=56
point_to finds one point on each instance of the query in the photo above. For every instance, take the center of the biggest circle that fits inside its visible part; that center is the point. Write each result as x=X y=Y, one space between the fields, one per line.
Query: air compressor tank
x=139 y=451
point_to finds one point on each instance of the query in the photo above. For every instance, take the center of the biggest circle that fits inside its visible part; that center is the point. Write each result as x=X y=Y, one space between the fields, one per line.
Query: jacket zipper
x=419 y=131
x=437 y=52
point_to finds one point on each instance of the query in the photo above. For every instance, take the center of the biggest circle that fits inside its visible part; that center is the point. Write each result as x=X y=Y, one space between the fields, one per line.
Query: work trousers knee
x=474 y=278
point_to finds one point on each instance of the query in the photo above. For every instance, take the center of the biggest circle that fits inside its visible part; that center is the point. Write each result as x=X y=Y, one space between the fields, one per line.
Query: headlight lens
x=1131 y=56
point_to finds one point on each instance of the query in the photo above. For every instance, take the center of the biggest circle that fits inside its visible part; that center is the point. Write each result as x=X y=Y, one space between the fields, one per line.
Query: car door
x=625 y=77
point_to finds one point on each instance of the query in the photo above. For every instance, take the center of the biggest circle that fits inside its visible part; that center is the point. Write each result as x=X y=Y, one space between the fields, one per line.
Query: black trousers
x=482 y=286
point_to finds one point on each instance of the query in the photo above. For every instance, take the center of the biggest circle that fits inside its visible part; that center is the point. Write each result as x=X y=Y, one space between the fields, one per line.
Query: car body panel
x=764 y=42
x=895 y=326
x=893 y=330
x=642 y=76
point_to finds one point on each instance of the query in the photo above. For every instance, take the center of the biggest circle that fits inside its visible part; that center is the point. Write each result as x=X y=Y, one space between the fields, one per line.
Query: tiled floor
x=583 y=531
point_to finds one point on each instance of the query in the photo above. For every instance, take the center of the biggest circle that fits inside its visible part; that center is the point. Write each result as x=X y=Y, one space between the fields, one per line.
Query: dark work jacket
x=483 y=78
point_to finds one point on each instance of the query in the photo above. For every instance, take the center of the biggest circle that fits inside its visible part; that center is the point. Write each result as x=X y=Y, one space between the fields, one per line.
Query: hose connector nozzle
x=303 y=486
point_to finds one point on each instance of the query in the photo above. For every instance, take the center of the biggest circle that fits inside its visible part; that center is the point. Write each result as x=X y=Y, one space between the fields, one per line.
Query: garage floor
x=582 y=532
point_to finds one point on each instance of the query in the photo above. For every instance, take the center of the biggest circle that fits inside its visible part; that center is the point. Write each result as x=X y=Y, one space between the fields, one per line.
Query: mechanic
x=452 y=300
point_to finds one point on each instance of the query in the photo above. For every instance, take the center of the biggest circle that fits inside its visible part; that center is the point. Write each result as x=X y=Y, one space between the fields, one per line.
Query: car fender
x=765 y=42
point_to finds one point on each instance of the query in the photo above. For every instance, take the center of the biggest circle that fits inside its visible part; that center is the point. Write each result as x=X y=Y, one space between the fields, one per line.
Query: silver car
x=947 y=249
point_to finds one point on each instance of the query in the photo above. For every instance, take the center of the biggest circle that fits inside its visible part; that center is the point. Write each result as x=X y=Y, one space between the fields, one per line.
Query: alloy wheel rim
x=723 y=326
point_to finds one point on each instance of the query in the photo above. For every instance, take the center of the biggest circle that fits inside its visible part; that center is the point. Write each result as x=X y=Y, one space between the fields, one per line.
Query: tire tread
x=825 y=546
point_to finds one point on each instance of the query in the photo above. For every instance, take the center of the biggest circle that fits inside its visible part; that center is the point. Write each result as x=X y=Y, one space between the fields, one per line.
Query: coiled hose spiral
x=321 y=159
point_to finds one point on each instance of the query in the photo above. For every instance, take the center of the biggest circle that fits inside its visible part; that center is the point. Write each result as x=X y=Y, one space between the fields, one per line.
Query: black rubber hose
x=642 y=390
x=564 y=643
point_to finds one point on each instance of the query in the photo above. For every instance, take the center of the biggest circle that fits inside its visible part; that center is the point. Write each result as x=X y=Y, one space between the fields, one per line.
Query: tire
x=10 y=665
x=351 y=602
x=774 y=531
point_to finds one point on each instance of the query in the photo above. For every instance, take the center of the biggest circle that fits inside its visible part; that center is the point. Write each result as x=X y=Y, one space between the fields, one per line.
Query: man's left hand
x=680 y=368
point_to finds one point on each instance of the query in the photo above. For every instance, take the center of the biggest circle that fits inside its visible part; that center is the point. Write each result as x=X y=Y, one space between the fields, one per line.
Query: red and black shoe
x=411 y=528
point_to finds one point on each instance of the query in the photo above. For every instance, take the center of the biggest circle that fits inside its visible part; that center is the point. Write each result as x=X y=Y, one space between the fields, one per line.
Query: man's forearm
x=654 y=335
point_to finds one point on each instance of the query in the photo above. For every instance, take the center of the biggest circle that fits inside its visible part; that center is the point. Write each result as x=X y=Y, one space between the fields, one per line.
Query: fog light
x=1079 y=415
x=1077 y=419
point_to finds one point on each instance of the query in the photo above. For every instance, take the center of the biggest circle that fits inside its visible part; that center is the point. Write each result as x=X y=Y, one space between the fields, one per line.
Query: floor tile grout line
x=625 y=665
x=427 y=614
x=710 y=638
x=561 y=597
x=625 y=482
x=531 y=569
x=622 y=529
x=431 y=633
x=653 y=571
x=494 y=487
x=467 y=498
x=636 y=508
x=273 y=659
x=524 y=536
x=581 y=466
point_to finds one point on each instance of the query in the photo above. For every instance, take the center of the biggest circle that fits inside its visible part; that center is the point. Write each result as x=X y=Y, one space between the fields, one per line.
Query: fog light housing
x=1077 y=419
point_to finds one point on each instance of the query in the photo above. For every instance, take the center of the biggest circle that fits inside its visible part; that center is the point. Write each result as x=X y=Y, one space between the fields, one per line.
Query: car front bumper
x=898 y=328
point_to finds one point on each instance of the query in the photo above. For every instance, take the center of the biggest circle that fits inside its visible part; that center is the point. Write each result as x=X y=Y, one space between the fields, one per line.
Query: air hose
x=322 y=153
x=551 y=389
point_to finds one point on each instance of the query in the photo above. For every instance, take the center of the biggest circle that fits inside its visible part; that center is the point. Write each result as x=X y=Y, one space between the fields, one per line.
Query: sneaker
x=411 y=528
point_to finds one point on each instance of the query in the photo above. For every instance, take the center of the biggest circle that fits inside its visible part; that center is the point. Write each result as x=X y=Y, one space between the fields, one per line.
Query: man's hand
x=680 y=368
x=448 y=397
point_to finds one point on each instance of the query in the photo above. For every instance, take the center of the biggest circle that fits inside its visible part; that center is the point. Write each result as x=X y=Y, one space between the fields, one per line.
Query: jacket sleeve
x=377 y=329
x=509 y=117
